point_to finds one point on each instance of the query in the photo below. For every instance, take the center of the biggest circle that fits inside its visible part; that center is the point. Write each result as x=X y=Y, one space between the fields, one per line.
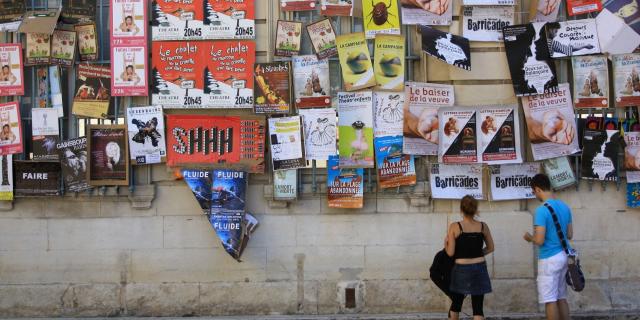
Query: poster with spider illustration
x=312 y=87
x=394 y=168
x=320 y=133
x=45 y=133
x=87 y=41
x=454 y=181
x=345 y=186
x=498 y=129
x=273 y=87
x=38 y=49
x=108 y=155
x=425 y=12
x=6 y=184
x=145 y=126
x=446 y=47
x=12 y=73
x=590 y=81
x=36 y=178
x=355 y=129
x=457 y=135
x=626 y=79
x=176 y=20
x=285 y=139
x=388 y=62
x=229 y=19
x=63 y=48
x=288 y=37
x=336 y=8
x=228 y=73
x=380 y=16
x=355 y=61
x=323 y=38
x=73 y=160
x=297 y=5
x=92 y=91
x=388 y=117
x=11 y=128
x=512 y=181
x=177 y=79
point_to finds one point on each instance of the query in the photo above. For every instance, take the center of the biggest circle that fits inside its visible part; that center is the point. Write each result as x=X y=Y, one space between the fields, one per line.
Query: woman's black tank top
x=469 y=244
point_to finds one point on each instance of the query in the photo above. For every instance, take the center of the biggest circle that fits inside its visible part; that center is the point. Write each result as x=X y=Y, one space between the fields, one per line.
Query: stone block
x=319 y=262
x=403 y=296
x=176 y=200
x=31 y=300
x=397 y=203
x=162 y=299
x=623 y=226
x=23 y=234
x=512 y=295
x=508 y=227
x=369 y=206
x=398 y=262
x=122 y=207
x=594 y=297
x=625 y=259
x=274 y=231
x=25 y=208
x=624 y=294
x=516 y=260
x=445 y=206
x=596 y=263
x=328 y=302
x=92 y=300
x=590 y=225
x=189 y=232
x=72 y=208
x=255 y=202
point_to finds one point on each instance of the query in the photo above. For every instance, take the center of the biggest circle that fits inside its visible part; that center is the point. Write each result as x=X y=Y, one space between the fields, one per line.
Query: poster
x=355 y=131
x=345 y=187
x=288 y=37
x=380 y=17
x=355 y=61
x=108 y=156
x=544 y=10
x=92 y=91
x=498 y=128
x=63 y=48
x=336 y=8
x=38 y=49
x=312 y=87
x=572 y=38
x=394 y=168
x=11 y=13
x=387 y=108
x=228 y=74
x=454 y=181
x=129 y=70
x=229 y=19
x=87 y=41
x=626 y=79
x=485 y=23
x=146 y=135
x=36 y=178
x=420 y=112
x=633 y=194
x=272 y=92
x=614 y=34
x=446 y=47
x=488 y=2
x=577 y=7
x=323 y=38
x=297 y=5
x=128 y=24
x=512 y=181
x=632 y=156
x=388 y=62
x=458 y=138
x=177 y=20
x=55 y=86
x=233 y=142
x=12 y=76
x=590 y=81
x=551 y=124
x=6 y=186
x=285 y=184
x=600 y=154
x=11 y=132
x=200 y=181
x=43 y=96
x=228 y=191
x=320 y=134
x=73 y=160
x=433 y=13
x=230 y=230
x=45 y=133
x=625 y=9
x=559 y=172
x=285 y=139
x=78 y=11
x=532 y=70
x=177 y=79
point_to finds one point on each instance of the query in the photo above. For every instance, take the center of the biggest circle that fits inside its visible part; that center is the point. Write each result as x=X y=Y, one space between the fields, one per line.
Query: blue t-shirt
x=552 y=244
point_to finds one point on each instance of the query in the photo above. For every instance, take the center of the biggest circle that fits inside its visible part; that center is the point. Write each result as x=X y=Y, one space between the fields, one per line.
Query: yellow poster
x=355 y=61
x=380 y=16
x=388 y=62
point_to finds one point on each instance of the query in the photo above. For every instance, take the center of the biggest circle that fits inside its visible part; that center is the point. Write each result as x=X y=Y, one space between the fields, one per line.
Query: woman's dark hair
x=469 y=206
x=541 y=181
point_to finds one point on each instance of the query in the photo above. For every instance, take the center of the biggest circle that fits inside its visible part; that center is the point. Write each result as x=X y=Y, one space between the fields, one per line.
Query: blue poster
x=394 y=168
x=228 y=191
x=199 y=181
x=230 y=230
x=633 y=195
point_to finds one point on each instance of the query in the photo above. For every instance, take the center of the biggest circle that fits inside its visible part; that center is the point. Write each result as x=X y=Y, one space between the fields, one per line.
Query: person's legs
x=477 y=302
x=551 y=310
x=456 y=305
x=563 y=309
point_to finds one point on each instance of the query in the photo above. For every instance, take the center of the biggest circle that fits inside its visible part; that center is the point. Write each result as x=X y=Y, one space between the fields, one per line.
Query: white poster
x=285 y=137
x=454 y=181
x=559 y=172
x=572 y=38
x=388 y=113
x=434 y=13
x=512 y=181
x=485 y=23
x=146 y=134
x=420 y=113
x=632 y=156
x=488 y=2
x=499 y=130
x=44 y=122
x=355 y=129
x=320 y=133
x=312 y=87
x=458 y=142
x=285 y=184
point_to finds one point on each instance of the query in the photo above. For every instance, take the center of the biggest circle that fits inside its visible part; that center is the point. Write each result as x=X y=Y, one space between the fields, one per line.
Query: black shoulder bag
x=575 y=277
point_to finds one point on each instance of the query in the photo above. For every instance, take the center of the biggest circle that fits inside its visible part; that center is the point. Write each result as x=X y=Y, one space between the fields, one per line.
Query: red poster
x=10 y=129
x=297 y=5
x=228 y=74
x=229 y=19
x=176 y=20
x=235 y=142
x=576 y=7
x=11 y=76
x=128 y=27
x=177 y=79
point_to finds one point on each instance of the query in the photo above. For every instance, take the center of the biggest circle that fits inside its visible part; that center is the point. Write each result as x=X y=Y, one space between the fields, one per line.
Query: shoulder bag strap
x=563 y=241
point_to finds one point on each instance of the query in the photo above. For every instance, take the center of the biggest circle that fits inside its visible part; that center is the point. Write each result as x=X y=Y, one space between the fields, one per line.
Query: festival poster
x=73 y=160
x=63 y=48
x=129 y=70
x=590 y=81
x=420 y=113
x=145 y=126
x=228 y=74
x=43 y=97
x=323 y=38
x=288 y=37
x=485 y=23
x=454 y=181
x=177 y=20
x=382 y=17
x=11 y=132
x=512 y=181
x=577 y=7
x=633 y=194
x=532 y=70
x=626 y=79
x=87 y=41
x=55 y=86
x=320 y=134
x=311 y=82
x=38 y=49
x=285 y=185
x=559 y=172
x=229 y=19
x=36 y=178
x=388 y=62
x=458 y=138
x=600 y=154
x=572 y=38
x=272 y=92
x=632 y=155
x=499 y=132
x=12 y=76
x=108 y=156
x=285 y=139
x=228 y=191
x=297 y=5
x=200 y=181
x=625 y=9
x=616 y=36
x=45 y=133
x=78 y=11
x=92 y=91
x=544 y=10
x=388 y=118
x=336 y=8
x=230 y=231
x=355 y=61
x=394 y=168
x=6 y=186
x=11 y=15
x=431 y=13
x=355 y=129
x=345 y=187
x=128 y=24
x=177 y=79
x=232 y=142
x=446 y=47
x=551 y=124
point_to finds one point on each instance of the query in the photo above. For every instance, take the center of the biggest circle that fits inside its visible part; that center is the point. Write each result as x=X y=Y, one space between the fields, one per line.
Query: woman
x=464 y=242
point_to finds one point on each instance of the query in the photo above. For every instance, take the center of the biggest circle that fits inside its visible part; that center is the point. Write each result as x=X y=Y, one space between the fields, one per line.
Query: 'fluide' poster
x=512 y=181
x=345 y=187
x=436 y=12
x=498 y=128
x=420 y=110
x=285 y=139
x=590 y=81
x=312 y=87
x=454 y=181
x=355 y=61
x=11 y=76
x=355 y=134
x=320 y=134
x=457 y=135
x=228 y=191
x=146 y=134
x=73 y=160
x=388 y=113
x=394 y=168
x=626 y=79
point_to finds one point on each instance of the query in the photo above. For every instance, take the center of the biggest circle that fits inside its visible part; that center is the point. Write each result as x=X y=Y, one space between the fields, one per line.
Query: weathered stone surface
x=319 y=263
x=31 y=301
x=166 y=299
x=403 y=296
x=189 y=232
x=511 y=296
x=594 y=297
x=624 y=294
x=91 y=300
x=23 y=234
x=398 y=262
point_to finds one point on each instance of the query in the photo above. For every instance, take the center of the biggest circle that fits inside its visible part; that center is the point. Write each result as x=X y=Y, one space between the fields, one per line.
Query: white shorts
x=552 y=285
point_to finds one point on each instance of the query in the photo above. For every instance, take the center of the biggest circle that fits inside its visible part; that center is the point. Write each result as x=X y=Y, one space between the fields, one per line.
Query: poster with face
x=73 y=159
x=312 y=87
x=285 y=139
x=388 y=62
x=87 y=41
x=572 y=38
x=454 y=181
x=626 y=79
x=336 y=8
x=37 y=178
x=6 y=184
x=297 y=5
x=129 y=70
x=229 y=19
x=177 y=79
x=388 y=115
x=323 y=38
x=590 y=81
x=128 y=22
x=63 y=48
x=355 y=61
x=420 y=112
x=458 y=138
x=600 y=150
x=355 y=132
x=425 y=12
x=485 y=23
x=498 y=128
x=38 y=49
x=45 y=133
x=285 y=184
x=93 y=91
x=320 y=134
x=108 y=157
x=345 y=187
x=228 y=74
x=446 y=47
x=11 y=131
x=288 y=36
x=11 y=75
x=512 y=181
x=381 y=17
x=272 y=92
x=146 y=135
x=394 y=168
x=177 y=20
x=625 y=9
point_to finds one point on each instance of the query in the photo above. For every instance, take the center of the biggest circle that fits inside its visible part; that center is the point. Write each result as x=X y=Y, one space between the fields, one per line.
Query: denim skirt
x=470 y=279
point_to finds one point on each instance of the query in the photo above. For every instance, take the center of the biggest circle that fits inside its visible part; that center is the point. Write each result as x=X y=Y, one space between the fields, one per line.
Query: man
x=552 y=263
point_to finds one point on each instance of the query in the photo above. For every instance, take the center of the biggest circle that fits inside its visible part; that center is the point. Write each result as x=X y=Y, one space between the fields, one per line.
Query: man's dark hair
x=541 y=181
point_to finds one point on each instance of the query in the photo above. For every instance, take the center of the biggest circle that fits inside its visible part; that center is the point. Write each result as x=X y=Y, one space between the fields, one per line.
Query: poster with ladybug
x=11 y=77
x=63 y=47
x=176 y=20
x=323 y=38
x=38 y=50
x=297 y=5
x=336 y=8
x=177 y=79
x=380 y=16
x=129 y=70
x=288 y=37
x=87 y=42
x=228 y=73
x=229 y=19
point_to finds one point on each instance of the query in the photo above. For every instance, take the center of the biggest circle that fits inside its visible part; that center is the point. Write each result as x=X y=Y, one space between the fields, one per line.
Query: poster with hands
x=426 y=12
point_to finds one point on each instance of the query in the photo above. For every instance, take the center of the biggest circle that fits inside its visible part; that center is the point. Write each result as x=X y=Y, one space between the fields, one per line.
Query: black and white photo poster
x=37 y=178
x=485 y=23
x=498 y=128
x=600 y=150
x=73 y=160
x=454 y=181
x=446 y=47
x=420 y=112
x=146 y=135
x=285 y=137
x=320 y=133
x=458 y=139
x=45 y=133
x=512 y=181
x=572 y=38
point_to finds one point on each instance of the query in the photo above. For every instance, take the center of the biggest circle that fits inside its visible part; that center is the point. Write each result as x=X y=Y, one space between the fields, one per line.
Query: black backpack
x=440 y=271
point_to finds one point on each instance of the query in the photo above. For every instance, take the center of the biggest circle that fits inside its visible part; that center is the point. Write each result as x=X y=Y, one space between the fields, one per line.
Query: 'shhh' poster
x=11 y=77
